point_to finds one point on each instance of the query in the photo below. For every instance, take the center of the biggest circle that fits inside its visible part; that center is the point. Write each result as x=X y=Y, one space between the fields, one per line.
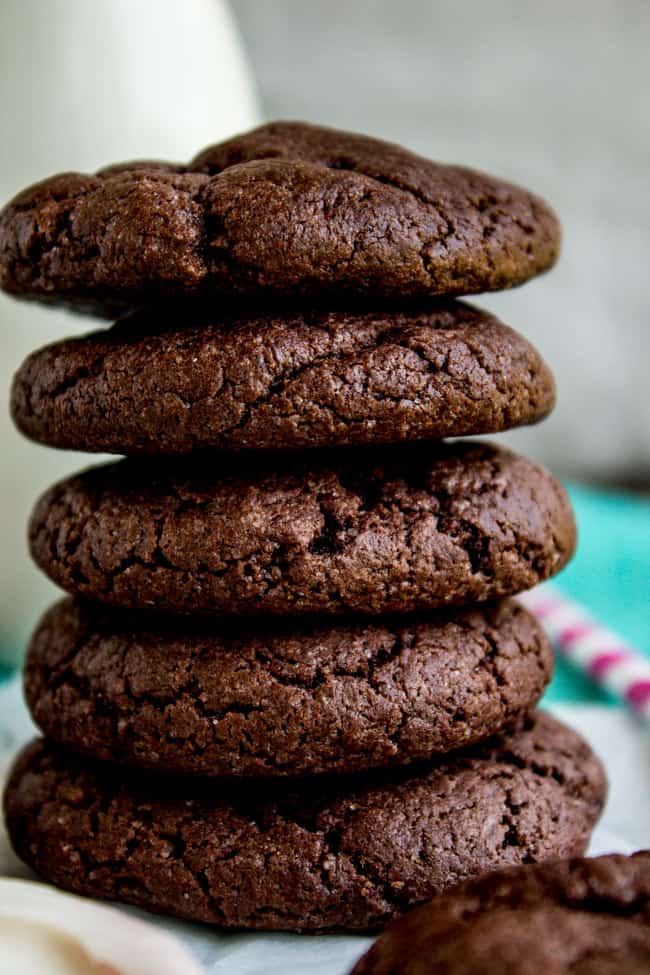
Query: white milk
x=84 y=83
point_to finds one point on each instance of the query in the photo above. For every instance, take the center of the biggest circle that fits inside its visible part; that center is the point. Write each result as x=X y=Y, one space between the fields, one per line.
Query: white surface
x=45 y=930
x=622 y=743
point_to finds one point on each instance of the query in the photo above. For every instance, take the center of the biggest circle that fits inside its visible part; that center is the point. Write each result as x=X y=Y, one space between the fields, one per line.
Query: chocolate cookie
x=288 y=208
x=281 y=379
x=583 y=917
x=367 y=531
x=320 y=854
x=281 y=699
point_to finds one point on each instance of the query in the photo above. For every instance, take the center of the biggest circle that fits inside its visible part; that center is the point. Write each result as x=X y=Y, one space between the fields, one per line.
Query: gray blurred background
x=554 y=95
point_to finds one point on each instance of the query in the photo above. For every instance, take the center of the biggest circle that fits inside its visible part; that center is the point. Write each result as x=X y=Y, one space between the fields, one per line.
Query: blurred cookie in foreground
x=582 y=916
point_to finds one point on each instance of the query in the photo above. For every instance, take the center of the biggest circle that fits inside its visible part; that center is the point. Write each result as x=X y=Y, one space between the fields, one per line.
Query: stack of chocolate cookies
x=289 y=688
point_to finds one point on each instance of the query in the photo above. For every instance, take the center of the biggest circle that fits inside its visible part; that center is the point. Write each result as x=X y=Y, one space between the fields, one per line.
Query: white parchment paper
x=622 y=743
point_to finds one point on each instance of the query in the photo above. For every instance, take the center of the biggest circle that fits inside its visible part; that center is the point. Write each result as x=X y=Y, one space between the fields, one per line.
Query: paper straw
x=597 y=652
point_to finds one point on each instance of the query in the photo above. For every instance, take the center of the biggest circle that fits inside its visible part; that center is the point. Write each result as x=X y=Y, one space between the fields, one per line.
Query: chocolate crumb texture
x=324 y=854
x=288 y=208
x=290 y=698
x=173 y=381
x=383 y=531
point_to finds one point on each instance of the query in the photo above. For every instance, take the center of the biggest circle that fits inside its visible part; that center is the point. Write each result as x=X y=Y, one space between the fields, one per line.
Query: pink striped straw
x=600 y=654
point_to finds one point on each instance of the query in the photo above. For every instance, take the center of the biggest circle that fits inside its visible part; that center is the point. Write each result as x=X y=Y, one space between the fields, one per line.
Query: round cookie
x=382 y=531
x=270 y=379
x=287 y=208
x=575 y=917
x=281 y=699
x=322 y=854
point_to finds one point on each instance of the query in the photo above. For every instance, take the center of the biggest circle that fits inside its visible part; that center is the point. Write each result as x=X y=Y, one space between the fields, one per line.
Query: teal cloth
x=610 y=576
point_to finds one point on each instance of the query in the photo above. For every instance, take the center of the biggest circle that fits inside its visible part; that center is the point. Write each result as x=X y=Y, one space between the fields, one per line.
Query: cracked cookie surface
x=321 y=854
x=368 y=531
x=288 y=208
x=281 y=699
x=575 y=917
x=175 y=381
